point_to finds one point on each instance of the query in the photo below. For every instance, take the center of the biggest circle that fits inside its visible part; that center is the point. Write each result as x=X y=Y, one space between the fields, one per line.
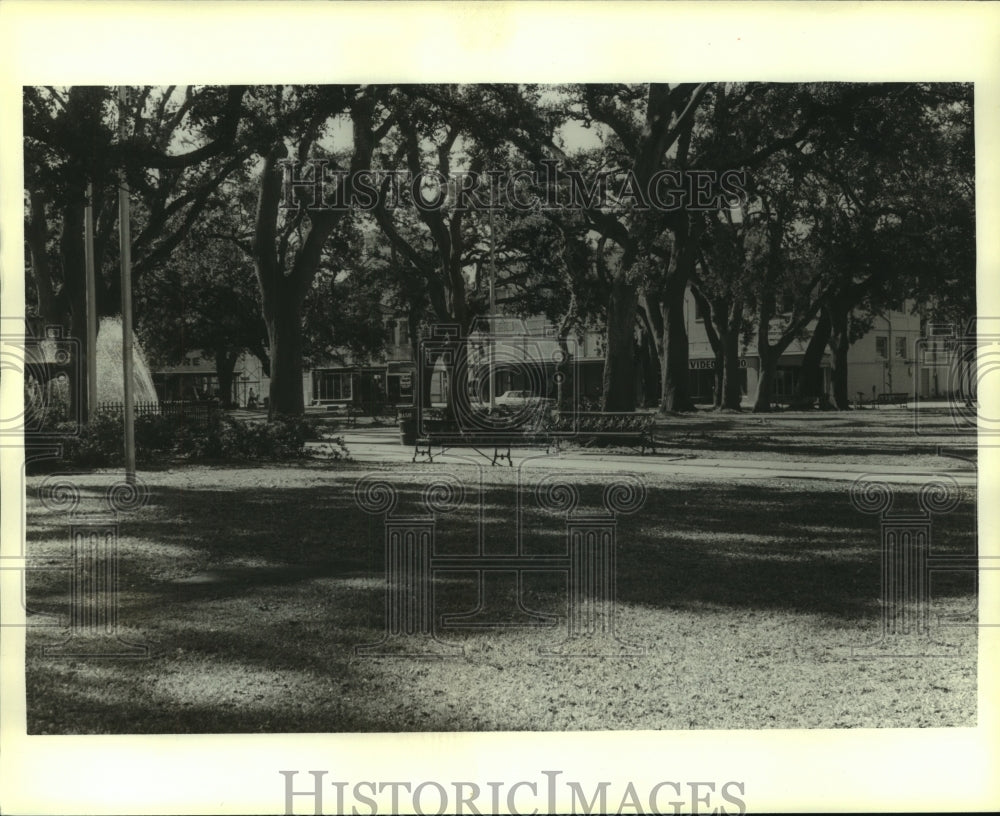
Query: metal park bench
x=609 y=427
x=445 y=435
x=892 y=399
x=589 y=428
x=346 y=410
x=352 y=411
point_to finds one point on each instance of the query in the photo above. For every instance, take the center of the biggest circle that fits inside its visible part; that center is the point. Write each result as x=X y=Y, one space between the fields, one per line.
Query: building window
x=901 y=347
x=333 y=385
x=882 y=346
x=699 y=313
x=786 y=381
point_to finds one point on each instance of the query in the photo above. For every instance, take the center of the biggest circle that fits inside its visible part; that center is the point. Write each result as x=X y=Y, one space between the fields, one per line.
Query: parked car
x=523 y=399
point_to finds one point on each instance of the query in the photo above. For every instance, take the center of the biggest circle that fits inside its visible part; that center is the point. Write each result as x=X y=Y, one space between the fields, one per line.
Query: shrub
x=333 y=448
x=98 y=444
x=220 y=437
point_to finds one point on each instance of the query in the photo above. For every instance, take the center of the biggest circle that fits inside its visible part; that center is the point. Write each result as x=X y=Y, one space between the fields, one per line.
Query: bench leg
x=497 y=456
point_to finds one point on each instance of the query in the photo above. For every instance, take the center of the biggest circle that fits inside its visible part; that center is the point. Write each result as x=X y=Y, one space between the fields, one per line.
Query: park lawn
x=935 y=438
x=932 y=437
x=252 y=586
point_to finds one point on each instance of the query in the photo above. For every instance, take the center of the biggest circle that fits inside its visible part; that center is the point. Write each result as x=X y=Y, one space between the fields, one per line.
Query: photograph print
x=500 y=407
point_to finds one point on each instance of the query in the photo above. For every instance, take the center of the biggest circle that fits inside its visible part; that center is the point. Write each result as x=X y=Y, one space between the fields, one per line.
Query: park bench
x=351 y=411
x=589 y=428
x=608 y=427
x=444 y=436
x=445 y=433
x=892 y=399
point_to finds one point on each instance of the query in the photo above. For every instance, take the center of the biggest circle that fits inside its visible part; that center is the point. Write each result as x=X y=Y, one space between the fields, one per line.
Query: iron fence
x=198 y=412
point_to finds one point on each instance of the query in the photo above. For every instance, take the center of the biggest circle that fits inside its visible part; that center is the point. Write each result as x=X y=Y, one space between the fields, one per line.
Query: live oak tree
x=637 y=126
x=887 y=211
x=293 y=223
x=701 y=133
x=720 y=285
x=883 y=212
x=351 y=297
x=644 y=123
x=788 y=281
x=738 y=129
x=445 y=141
x=206 y=298
x=899 y=185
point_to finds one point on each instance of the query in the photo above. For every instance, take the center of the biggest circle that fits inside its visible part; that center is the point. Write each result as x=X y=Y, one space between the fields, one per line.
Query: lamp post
x=125 y=241
x=493 y=274
x=91 y=364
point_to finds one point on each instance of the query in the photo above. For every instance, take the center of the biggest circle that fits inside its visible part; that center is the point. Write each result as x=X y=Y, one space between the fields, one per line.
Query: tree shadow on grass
x=746 y=546
x=255 y=607
x=837 y=447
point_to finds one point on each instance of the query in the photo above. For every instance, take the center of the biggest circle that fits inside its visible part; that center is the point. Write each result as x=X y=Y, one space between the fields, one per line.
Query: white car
x=522 y=399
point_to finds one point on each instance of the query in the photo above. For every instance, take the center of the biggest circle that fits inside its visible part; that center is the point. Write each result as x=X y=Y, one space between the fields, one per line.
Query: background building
x=883 y=361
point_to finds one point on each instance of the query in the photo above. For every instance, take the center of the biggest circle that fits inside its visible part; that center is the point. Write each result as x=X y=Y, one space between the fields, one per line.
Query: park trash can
x=408 y=425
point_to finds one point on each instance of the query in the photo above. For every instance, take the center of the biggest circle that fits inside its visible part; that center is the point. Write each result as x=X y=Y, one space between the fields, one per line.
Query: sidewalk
x=382 y=445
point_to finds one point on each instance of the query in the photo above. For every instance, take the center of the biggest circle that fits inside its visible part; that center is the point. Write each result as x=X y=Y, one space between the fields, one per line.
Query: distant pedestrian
x=252 y=400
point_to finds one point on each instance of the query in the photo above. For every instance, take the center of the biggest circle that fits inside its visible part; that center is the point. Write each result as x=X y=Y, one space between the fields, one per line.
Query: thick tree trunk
x=565 y=386
x=674 y=365
x=839 y=344
x=225 y=363
x=765 y=382
x=717 y=380
x=51 y=308
x=284 y=330
x=732 y=376
x=810 y=387
x=459 y=402
x=618 y=391
x=75 y=277
x=651 y=381
x=715 y=325
x=284 y=286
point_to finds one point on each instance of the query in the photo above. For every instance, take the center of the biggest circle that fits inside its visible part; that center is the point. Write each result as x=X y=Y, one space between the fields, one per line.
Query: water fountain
x=110 y=387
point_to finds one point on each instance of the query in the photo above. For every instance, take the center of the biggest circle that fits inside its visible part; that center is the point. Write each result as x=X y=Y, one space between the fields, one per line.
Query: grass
x=872 y=436
x=252 y=586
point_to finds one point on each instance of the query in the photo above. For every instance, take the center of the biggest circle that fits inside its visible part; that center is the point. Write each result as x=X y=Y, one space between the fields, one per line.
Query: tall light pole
x=91 y=363
x=493 y=275
x=125 y=241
